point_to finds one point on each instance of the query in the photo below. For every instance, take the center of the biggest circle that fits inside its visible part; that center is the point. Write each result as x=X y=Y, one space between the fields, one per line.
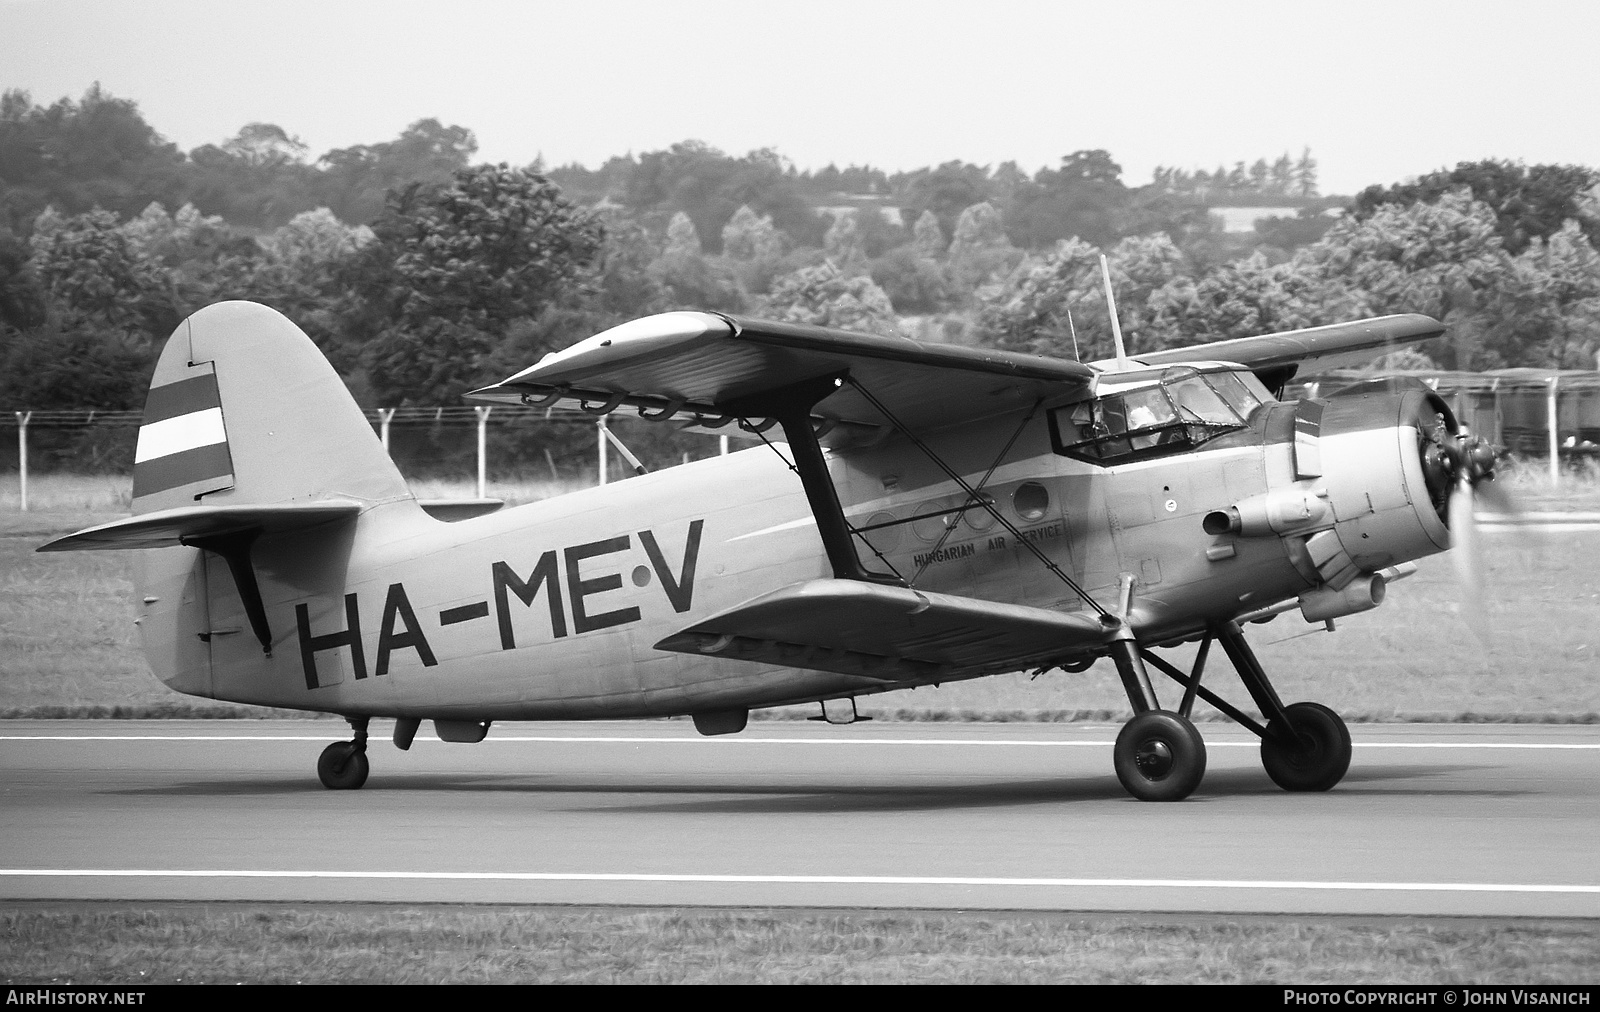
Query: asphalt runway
x=1465 y=820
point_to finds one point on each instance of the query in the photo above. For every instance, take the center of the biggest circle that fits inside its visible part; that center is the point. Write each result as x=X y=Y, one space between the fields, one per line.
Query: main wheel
x=1323 y=756
x=342 y=767
x=1160 y=756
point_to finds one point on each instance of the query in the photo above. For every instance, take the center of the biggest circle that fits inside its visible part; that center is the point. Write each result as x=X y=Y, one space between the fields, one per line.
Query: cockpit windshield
x=1180 y=410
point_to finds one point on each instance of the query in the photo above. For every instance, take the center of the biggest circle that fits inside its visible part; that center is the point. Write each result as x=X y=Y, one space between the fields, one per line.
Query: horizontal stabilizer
x=892 y=634
x=187 y=524
x=1310 y=351
x=695 y=365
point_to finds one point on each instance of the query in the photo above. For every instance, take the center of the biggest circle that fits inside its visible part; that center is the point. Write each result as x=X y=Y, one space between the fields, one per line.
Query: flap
x=697 y=363
x=889 y=633
x=168 y=528
x=1310 y=351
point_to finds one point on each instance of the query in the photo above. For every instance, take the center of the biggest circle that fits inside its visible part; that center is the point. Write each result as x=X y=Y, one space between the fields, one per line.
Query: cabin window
x=1180 y=411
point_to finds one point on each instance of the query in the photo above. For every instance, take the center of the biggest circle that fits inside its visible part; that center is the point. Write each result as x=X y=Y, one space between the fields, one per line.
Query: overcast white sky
x=1378 y=90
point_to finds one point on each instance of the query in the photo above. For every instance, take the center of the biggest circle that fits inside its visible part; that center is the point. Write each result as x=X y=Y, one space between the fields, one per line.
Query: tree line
x=422 y=274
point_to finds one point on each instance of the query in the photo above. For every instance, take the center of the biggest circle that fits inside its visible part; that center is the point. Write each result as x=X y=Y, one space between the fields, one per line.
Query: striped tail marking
x=182 y=441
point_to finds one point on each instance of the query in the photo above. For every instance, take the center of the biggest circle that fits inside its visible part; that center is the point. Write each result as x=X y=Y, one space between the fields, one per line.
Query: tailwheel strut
x=1304 y=746
x=343 y=765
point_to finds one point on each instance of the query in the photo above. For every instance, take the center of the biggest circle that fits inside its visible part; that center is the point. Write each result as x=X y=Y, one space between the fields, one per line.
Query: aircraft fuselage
x=551 y=610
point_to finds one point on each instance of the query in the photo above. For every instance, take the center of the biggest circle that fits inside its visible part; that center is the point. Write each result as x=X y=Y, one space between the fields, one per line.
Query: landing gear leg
x=1305 y=746
x=343 y=765
x=1159 y=755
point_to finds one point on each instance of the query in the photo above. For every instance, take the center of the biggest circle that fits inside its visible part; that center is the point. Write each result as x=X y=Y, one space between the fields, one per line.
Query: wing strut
x=791 y=406
x=973 y=496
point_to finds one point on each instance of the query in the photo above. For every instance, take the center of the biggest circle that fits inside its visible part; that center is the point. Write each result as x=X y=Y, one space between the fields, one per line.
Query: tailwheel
x=342 y=766
x=1160 y=756
x=1323 y=753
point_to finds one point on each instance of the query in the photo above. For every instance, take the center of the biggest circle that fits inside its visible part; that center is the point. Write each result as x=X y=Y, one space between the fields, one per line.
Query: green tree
x=76 y=156
x=1436 y=258
x=1084 y=197
x=683 y=239
x=258 y=178
x=702 y=182
x=627 y=288
x=754 y=249
x=452 y=267
x=1045 y=301
x=914 y=283
x=749 y=236
x=1528 y=202
x=1546 y=310
x=354 y=181
x=844 y=244
x=691 y=279
x=946 y=191
x=94 y=276
x=928 y=238
x=980 y=252
x=827 y=297
x=1055 y=294
x=1250 y=297
x=299 y=269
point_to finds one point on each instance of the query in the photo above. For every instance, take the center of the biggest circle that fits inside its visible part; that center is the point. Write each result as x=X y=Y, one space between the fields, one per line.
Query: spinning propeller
x=1459 y=468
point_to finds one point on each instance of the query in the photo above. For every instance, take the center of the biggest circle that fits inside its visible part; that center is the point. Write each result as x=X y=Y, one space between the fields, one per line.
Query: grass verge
x=112 y=944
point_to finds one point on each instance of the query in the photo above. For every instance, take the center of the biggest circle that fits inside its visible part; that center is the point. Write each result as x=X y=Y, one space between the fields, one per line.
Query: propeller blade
x=1467 y=554
x=1493 y=498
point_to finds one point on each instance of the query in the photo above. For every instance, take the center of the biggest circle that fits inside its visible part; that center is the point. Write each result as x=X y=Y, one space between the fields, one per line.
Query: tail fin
x=243 y=409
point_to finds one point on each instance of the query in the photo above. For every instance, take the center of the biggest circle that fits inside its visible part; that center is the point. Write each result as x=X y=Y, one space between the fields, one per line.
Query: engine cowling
x=1375 y=467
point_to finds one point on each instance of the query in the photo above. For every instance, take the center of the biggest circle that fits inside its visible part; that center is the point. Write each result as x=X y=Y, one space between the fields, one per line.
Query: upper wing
x=889 y=633
x=697 y=363
x=1277 y=358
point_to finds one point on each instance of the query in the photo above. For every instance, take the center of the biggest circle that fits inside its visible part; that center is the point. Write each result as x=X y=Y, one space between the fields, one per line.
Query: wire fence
x=1540 y=413
x=567 y=443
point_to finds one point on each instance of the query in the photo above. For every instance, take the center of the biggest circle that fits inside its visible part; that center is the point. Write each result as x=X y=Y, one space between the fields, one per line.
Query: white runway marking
x=640 y=740
x=857 y=880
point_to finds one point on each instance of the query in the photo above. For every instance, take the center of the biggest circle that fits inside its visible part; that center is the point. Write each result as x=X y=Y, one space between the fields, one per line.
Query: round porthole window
x=978 y=518
x=884 y=539
x=934 y=520
x=1030 y=500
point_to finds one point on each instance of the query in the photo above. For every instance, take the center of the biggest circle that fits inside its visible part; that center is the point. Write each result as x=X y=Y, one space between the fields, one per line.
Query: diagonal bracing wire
x=949 y=528
x=972 y=493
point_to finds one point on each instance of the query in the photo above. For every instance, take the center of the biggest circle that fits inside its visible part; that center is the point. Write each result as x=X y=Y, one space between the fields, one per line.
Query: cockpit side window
x=1183 y=410
x=1237 y=392
x=1197 y=402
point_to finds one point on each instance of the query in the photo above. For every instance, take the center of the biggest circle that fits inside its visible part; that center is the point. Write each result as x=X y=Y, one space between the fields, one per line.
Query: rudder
x=243 y=408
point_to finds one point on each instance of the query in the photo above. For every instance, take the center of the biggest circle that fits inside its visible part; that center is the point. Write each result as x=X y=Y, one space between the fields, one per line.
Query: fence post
x=483 y=449
x=385 y=416
x=22 y=454
x=600 y=434
x=1552 y=419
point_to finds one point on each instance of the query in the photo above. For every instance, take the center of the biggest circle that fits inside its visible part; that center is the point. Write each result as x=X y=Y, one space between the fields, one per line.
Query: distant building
x=1243 y=219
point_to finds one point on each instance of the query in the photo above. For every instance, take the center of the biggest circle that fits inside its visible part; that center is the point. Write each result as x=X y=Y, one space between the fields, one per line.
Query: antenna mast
x=1116 y=328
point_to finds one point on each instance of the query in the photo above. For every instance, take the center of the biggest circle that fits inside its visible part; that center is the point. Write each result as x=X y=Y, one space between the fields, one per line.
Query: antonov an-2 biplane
x=921 y=513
